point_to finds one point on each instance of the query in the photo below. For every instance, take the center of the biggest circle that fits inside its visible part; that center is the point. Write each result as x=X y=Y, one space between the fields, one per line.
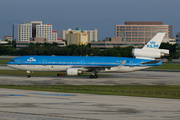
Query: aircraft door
x=19 y=62
x=82 y=62
x=131 y=64
x=44 y=62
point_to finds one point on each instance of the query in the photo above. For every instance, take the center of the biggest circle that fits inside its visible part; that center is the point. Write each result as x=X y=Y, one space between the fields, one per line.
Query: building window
x=134 y=29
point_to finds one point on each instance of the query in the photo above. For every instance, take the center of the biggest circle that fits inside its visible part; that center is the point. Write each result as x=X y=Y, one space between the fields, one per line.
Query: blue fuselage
x=79 y=61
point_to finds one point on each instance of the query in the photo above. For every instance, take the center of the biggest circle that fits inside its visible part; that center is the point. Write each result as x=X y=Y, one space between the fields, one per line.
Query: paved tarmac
x=144 y=77
x=38 y=105
x=132 y=78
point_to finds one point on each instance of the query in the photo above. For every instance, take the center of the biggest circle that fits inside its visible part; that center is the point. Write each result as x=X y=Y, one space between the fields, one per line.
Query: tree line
x=76 y=50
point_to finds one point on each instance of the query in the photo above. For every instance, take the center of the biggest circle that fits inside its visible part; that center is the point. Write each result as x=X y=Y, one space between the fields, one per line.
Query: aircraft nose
x=10 y=62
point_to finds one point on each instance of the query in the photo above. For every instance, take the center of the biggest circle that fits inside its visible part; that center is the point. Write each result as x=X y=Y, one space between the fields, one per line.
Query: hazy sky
x=88 y=14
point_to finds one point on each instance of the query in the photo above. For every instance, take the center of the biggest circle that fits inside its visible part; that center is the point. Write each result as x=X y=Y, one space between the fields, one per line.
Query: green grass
x=23 y=73
x=4 y=61
x=156 y=91
x=167 y=66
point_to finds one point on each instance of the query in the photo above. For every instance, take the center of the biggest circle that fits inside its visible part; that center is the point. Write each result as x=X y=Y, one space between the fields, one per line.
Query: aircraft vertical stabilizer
x=155 y=42
x=151 y=49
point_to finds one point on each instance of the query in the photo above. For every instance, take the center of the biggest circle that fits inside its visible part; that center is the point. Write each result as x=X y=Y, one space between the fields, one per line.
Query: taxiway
x=38 y=105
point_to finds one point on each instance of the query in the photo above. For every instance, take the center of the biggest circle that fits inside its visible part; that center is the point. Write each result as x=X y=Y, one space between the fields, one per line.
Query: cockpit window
x=12 y=60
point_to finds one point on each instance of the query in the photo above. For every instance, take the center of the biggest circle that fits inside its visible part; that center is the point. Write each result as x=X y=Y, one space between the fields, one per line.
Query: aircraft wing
x=98 y=67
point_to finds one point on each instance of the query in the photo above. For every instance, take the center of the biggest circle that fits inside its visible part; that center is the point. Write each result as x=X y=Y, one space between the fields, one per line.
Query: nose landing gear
x=28 y=74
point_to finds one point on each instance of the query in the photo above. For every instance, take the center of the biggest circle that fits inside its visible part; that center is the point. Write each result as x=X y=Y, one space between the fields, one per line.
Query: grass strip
x=4 y=61
x=167 y=66
x=155 y=91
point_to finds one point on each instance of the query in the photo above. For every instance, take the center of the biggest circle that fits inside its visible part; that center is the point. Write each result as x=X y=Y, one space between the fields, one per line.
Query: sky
x=102 y=15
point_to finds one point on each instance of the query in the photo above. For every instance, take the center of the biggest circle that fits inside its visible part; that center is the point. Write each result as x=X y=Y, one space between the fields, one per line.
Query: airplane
x=75 y=65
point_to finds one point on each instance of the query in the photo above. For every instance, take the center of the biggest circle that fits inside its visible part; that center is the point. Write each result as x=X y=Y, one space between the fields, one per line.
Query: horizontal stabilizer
x=151 y=62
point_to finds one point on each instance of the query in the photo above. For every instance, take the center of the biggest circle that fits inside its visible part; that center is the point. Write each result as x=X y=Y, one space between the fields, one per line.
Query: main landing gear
x=93 y=76
x=28 y=74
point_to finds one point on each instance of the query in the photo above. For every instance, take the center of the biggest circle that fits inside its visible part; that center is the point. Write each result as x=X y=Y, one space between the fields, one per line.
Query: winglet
x=122 y=63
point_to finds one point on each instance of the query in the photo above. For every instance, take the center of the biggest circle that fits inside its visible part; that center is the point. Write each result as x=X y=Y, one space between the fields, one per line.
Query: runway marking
x=49 y=115
x=12 y=95
x=51 y=94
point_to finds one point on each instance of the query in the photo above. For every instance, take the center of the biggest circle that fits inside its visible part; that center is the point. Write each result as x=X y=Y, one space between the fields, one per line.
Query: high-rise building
x=178 y=39
x=142 y=31
x=77 y=38
x=33 y=29
x=92 y=34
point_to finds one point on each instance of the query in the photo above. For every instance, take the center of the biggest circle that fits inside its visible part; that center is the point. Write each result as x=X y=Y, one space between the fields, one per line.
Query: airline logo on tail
x=152 y=45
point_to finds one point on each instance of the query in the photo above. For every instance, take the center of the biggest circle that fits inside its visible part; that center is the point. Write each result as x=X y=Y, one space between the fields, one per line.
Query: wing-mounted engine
x=73 y=71
x=149 y=53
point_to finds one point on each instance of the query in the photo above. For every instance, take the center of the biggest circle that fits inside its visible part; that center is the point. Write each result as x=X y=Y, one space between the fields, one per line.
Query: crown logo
x=31 y=59
x=152 y=42
x=152 y=45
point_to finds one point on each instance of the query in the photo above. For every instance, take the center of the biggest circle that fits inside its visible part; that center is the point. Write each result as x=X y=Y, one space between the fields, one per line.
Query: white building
x=9 y=38
x=92 y=34
x=33 y=29
x=178 y=39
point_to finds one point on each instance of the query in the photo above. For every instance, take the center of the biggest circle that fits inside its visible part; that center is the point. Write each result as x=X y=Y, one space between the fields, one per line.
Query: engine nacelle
x=73 y=71
x=149 y=53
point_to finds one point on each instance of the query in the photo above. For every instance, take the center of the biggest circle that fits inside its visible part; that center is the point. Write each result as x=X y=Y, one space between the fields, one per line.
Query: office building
x=22 y=44
x=34 y=29
x=110 y=42
x=178 y=39
x=77 y=38
x=142 y=31
x=92 y=34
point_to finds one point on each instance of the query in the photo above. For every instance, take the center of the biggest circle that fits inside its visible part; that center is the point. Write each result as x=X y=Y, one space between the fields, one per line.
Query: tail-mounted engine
x=149 y=53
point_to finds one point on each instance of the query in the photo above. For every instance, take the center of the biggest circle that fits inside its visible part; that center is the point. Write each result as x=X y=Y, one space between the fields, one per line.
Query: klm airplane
x=75 y=65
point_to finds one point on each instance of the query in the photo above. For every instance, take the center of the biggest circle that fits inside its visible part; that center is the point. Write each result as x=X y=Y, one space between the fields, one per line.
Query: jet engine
x=73 y=71
x=149 y=53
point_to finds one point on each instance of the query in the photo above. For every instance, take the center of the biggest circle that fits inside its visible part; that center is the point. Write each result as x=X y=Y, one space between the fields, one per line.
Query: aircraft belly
x=122 y=69
x=40 y=67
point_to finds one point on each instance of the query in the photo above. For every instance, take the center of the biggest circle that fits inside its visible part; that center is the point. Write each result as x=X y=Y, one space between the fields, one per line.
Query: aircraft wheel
x=91 y=76
x=95 y=76
x=28 y=76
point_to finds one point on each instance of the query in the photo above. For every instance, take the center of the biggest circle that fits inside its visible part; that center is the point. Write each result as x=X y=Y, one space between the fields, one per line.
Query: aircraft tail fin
x=155 y=42
x=151 y=49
